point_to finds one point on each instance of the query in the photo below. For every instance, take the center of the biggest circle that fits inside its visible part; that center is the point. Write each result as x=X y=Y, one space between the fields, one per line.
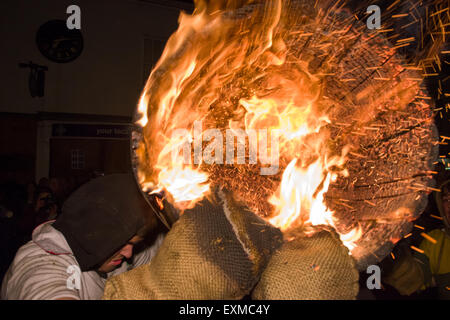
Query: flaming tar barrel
x=367 y=118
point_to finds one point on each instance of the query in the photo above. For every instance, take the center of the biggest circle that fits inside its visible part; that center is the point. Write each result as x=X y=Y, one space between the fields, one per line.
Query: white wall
x=105 y=79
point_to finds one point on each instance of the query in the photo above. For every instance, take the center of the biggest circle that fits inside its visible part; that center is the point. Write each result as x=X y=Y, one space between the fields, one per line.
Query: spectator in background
x=43 y=208
x=429 y=266
x=62 y=187
x=44 y=182
x=31 y=188
x=438 y=252
x=46 y=207
x=56 y=185
x=12 y=198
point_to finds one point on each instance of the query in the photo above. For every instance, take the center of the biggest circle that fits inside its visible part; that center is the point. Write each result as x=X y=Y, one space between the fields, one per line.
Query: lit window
x=77 y=159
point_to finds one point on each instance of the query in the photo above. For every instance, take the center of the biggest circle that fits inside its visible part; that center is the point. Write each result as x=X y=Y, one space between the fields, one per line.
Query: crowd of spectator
x=23 y=207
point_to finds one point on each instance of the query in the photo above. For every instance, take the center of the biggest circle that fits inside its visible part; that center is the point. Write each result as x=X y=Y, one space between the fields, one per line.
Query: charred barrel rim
x=167 y=217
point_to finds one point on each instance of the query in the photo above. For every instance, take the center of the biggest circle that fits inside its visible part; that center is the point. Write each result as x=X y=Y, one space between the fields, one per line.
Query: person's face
x=41 y=200
x=126 y=252
x=54 y=185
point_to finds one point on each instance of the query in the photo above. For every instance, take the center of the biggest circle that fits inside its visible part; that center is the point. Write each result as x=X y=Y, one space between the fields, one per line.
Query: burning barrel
x=307 y=116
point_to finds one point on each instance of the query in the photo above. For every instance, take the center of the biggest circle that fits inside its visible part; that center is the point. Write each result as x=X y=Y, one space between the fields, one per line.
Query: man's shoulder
x=41 y=260
x=29 y=250
x=50 y=240
x=36 y=256
x=146 y=255
x=34 y=268
x=47 y=242
x=33 y=251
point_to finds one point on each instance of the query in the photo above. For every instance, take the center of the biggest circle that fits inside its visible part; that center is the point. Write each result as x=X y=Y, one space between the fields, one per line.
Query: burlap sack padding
x=309 y=268
x=204 y=256
x=220 y=250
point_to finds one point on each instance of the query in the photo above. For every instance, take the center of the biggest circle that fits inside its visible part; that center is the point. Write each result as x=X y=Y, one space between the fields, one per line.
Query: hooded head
x=443 y=203
x=102 y=216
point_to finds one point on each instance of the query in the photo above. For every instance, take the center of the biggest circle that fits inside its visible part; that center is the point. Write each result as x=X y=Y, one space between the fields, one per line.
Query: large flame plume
x=242 y=66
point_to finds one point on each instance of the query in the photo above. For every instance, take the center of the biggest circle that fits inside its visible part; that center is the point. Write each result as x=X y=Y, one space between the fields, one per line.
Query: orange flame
x=200 y=60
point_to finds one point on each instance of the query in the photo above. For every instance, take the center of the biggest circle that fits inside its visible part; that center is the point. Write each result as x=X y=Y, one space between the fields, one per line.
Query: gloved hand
x=309 y=267
x=216 y=250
